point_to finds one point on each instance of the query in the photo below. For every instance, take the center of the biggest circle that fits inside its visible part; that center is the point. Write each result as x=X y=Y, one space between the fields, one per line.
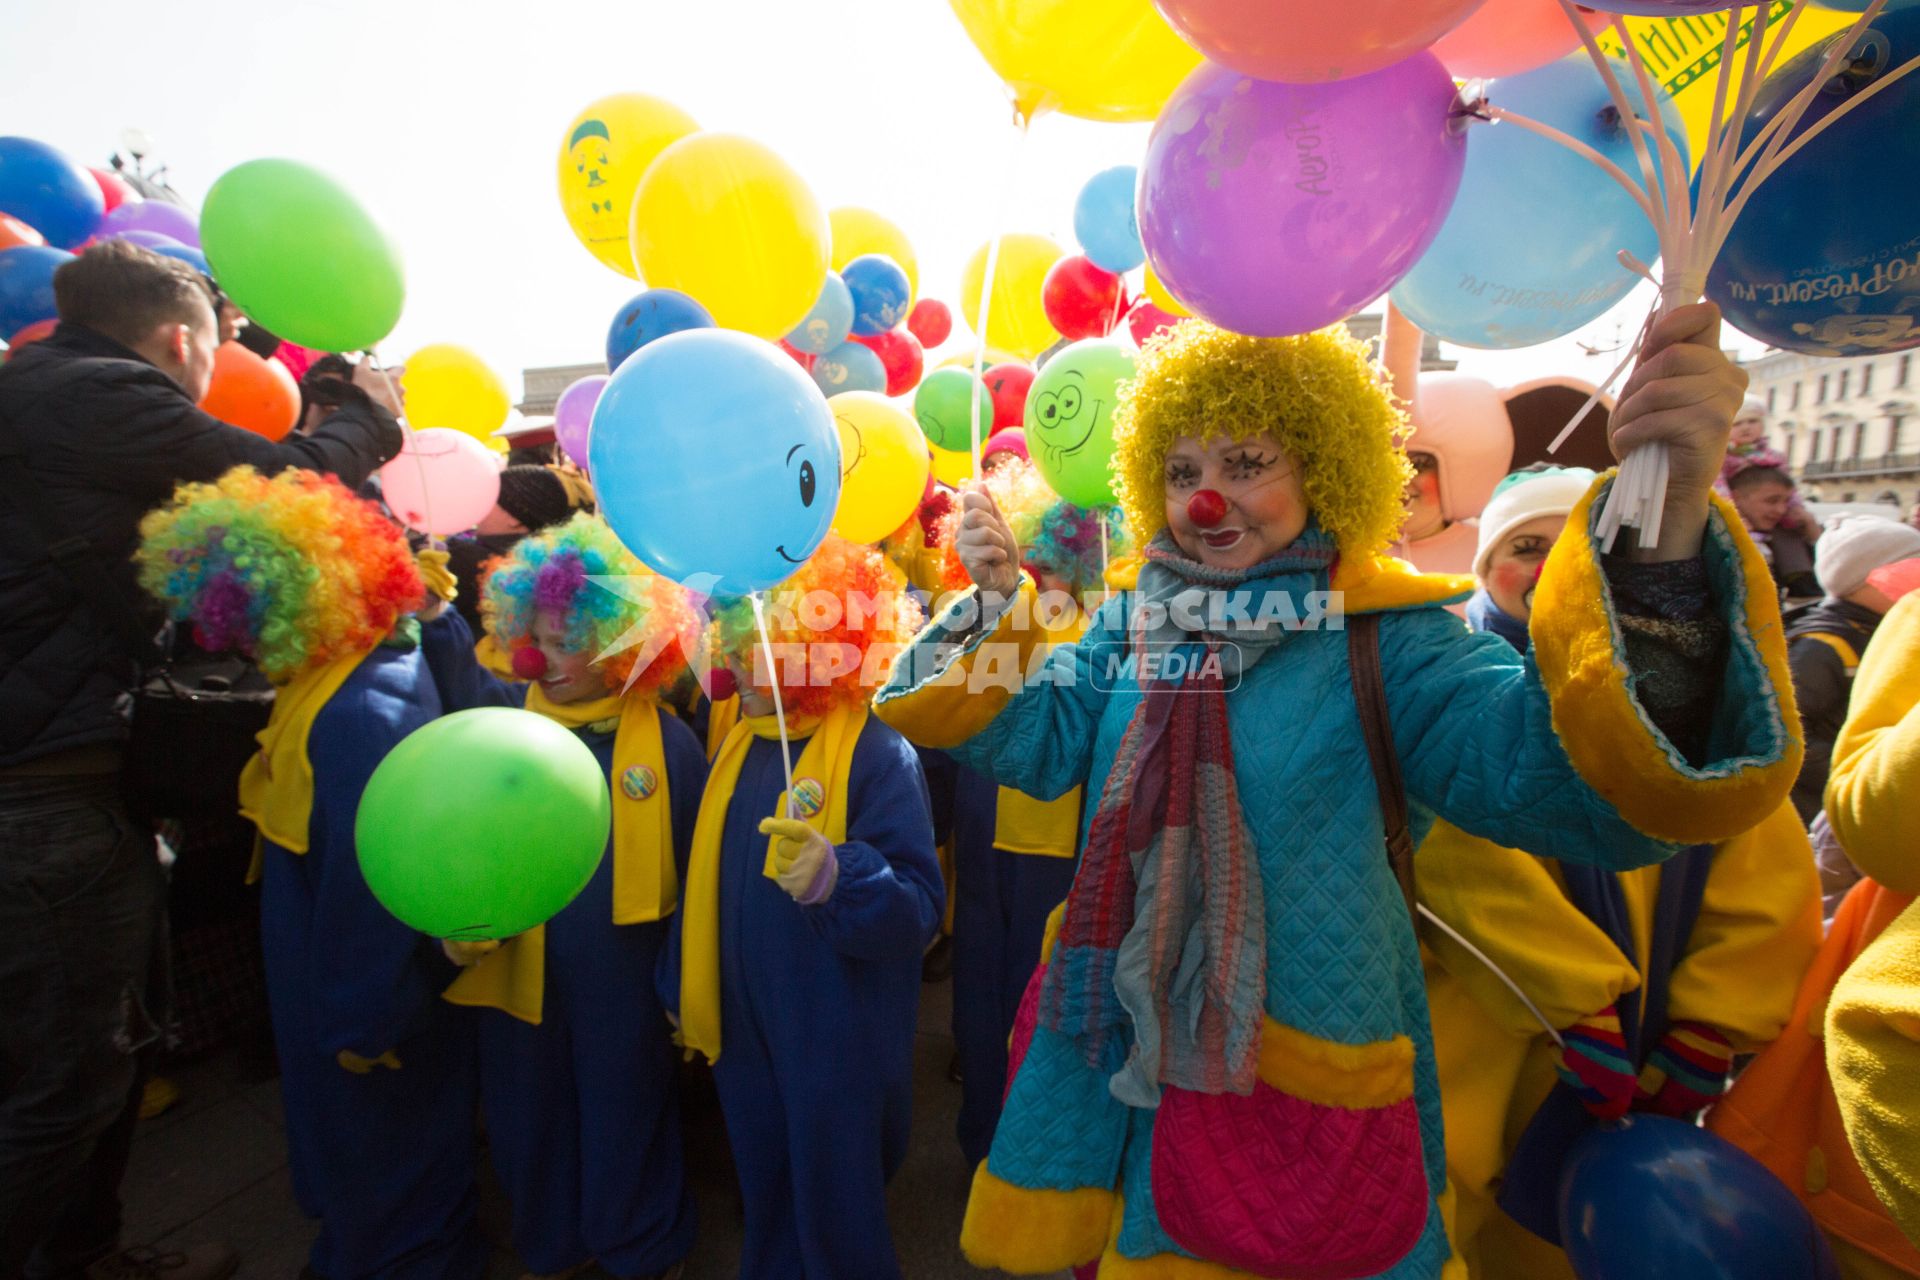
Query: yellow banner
x=1683 y=56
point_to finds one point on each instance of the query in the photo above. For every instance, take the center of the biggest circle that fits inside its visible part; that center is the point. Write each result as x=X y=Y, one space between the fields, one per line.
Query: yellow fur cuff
x=1328 y=1074
x=961 y=699
x=1581 y=655
x=1034 y=1232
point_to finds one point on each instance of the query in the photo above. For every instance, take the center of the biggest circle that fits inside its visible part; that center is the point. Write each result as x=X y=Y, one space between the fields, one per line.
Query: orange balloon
x=249 y=392
x=1309 y=41
x=32 y=333
x=15 y=233
x=1506 y=37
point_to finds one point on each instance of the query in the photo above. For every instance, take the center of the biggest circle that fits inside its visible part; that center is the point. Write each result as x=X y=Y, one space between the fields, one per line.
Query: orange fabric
x=1781 y=1111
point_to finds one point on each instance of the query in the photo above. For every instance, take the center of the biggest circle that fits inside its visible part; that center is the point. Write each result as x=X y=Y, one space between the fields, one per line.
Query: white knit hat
x=1752 y=407
x=1524 y=496
x=1853 y=546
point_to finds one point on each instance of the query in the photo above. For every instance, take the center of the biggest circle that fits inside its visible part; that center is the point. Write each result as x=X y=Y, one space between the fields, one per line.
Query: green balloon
x=300 y=256
x=483 y=824
x=1070 y=419
x=944 y=407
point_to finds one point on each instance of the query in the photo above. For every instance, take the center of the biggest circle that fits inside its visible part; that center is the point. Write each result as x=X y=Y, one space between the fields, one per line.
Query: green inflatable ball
x=300 y=256
x=1070 y=419
x=483 y=824
x=945 y=404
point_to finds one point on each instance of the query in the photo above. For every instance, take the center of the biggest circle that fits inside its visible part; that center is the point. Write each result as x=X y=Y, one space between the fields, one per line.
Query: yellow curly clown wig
x=291 y=571
x=1316 y=394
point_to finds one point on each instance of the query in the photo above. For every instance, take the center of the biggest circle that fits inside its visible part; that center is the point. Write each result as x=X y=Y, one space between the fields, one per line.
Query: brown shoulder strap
x=1370 y=695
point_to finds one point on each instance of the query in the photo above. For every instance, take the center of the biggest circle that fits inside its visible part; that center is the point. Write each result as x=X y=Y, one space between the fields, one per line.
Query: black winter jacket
x=105 y=448
x=1822 y=681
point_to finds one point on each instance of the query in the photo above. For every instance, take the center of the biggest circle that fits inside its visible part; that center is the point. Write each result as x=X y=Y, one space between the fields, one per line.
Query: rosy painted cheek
x=1512 y=579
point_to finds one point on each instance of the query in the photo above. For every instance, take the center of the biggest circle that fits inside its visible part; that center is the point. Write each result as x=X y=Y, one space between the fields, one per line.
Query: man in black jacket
x=98 y=422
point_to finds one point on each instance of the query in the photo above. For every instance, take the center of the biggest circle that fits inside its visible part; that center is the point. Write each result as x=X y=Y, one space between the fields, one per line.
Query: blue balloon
x=187 y=254
x=716 y=461
x=1529 y=251
x=1825 y=258
x=1658 y=1199
x=881 y=294
x=49 y=192
x=649 y=316
x=830 y=321
x=26 y=286
x=850 y=367
x=1105 y=221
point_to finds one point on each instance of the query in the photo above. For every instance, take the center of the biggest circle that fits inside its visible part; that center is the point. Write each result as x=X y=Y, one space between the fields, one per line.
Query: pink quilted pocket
x=1278 y=1186
x=1025 y=1019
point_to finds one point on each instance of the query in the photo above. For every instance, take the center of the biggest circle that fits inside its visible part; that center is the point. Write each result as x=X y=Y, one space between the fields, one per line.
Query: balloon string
x=779 y=707
x=1496 y=970
x=410 y=445
x=1005 y=198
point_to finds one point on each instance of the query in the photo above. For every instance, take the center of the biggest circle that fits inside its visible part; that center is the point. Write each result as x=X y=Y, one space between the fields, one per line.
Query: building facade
x=542 y=387
x=1850 y=428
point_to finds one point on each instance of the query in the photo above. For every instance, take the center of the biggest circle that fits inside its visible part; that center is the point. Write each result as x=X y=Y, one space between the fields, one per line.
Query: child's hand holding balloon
x=985 y=543
x=802 y=860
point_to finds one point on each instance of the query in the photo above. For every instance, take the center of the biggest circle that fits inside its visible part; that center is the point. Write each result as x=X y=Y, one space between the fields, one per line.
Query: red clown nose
x=1206 y=508
x=529 y=663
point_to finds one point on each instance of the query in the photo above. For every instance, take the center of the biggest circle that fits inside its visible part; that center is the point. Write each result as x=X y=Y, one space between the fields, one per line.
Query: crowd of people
x=1318 y=951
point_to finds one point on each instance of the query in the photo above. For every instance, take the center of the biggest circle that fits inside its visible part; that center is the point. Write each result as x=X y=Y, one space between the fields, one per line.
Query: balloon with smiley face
x=716 y=460
x=1070 y=419
x=608 y=148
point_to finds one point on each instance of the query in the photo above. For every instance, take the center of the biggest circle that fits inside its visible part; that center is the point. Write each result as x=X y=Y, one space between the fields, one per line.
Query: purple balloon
x=573 y=415
x=152 y=215
x=146 y=239
x=1274 y=209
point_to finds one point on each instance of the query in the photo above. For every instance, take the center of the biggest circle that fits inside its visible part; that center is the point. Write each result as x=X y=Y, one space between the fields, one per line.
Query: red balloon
x=1146 y=319
x=804 y=360
x=901 y=355
x=115 y=189
x=15 y=233
x=32 y=333
x=1310 y=41
x=930 y=321
x=1506 y=37
x=1082 y=300
x=1009 y=384
x=249 y=392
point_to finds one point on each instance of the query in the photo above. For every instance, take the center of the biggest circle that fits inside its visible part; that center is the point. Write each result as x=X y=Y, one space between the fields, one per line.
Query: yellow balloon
x=1095 y=59
x=1673 y=50
x=724 y=219
x=857 y=231
x=951 y=467
x=883 y=465
x=1157 y=294
x=608 y=148
x=1016 y=318
x=449 y=386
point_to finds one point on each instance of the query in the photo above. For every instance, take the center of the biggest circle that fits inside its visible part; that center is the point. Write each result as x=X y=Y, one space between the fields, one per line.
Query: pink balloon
x=1310 y=41
x=443 y=482
x=1506 y=37
x=1274 y=209
x=573 y=415
x=1145 y=320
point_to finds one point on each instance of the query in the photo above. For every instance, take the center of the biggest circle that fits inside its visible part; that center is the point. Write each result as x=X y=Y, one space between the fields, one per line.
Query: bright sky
x=446 y=116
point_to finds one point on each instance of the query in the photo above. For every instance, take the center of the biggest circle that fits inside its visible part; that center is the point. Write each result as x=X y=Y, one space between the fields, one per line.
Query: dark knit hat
x=534 y=496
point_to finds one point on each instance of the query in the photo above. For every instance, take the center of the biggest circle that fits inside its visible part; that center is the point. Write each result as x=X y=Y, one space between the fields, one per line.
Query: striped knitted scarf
x=1165 y=928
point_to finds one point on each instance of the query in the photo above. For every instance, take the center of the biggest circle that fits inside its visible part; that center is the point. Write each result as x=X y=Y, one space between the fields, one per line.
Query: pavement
x=215 y=1167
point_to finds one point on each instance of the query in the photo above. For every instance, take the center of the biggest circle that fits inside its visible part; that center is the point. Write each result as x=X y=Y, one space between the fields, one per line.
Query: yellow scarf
x=487 y=651
x=646 y=884
x=820 y=784
x=721 y=717
x=276 y=787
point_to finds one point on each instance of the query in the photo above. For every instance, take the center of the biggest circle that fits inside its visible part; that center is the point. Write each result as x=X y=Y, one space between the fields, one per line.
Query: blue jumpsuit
x=583 y=1111
x=1001 y=903
x=817 y=1008
x=385 y=1160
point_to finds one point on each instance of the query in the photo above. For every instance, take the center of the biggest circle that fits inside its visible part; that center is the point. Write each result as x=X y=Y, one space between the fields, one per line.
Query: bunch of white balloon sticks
x=1692 y=231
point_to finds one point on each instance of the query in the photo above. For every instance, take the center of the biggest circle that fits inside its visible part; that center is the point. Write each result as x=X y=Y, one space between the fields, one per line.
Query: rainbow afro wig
x=1316 y=394
x=641 y=612
x=1054 y=535
x=835 y=626
x=292 y=571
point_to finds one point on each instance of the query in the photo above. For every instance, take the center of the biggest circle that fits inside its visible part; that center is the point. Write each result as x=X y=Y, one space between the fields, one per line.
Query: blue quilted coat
x=1067 y=1180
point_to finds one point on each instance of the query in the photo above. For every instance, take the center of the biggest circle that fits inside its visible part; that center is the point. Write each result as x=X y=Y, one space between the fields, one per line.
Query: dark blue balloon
x=26 y=286
x=881 y=294
x=650 y=315
x=850 y=367
x=187 y=254
x=1106 y=223
x=49 y=192
x=1825 y=258
x=1657 y=1199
